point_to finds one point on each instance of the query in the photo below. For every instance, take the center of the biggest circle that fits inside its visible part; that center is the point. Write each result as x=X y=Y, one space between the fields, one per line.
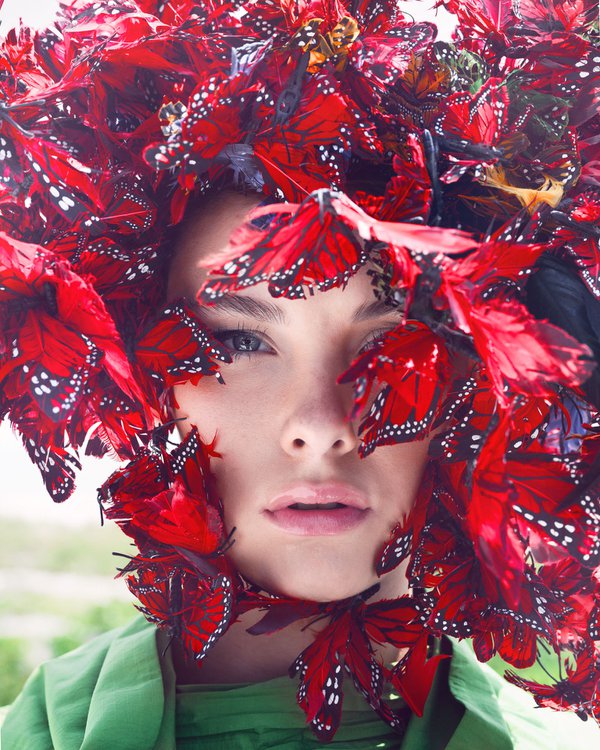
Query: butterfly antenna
x=101 y=510
x=7 y=118
x=546 y=672
x=228 y=542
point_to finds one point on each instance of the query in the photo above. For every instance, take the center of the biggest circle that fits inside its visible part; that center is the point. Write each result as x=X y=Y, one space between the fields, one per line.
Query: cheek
x=238 y=418
x=397 y=471
x=229 y=410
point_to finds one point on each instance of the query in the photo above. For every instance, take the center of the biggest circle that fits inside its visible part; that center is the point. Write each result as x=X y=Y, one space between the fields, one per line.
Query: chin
x=323 y=591
x=315 y=578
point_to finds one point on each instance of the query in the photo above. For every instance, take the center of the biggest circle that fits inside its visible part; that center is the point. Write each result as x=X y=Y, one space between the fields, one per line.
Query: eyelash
x=224 y=334
x=374 y=338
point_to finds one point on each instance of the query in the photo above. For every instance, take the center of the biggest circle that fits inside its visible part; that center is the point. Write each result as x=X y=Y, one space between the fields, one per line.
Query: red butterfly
x=131 y=490
x=176 y=518
x=403 y=535
x=334 y=228
x=45 y=445
x=115 y=269
x=529 y=356
x=195 y=611
x=62 y=331
x=315 y=140
x=61 y=340
x=473 y=128
x=577 y=233
x=389 y=56
x=468 y=416
x=176 y=348
x=207 y=612
x=345 y=645
x=320 y=693
x=408 y=194
x=35 y=164
x=414 y=363
x=311 y=246
x=578 y=691
x=543 y=20
x=279 y=611
x=129 y=208
x=544 y=498
x=210 y=124
x=487 y=19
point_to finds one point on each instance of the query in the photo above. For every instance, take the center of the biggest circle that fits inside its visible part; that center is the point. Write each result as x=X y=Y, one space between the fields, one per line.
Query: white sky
x=40 y=12
x=33 y=12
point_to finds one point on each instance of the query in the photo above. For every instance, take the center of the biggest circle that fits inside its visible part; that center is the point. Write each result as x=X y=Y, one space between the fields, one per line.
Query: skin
x=282 y=419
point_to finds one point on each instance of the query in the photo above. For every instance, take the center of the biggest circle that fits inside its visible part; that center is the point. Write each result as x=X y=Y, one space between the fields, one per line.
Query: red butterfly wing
x=176 y=348
x=369 y=679
x=396 y=550
x=389 y=56
x=413 y=677
x=207 y=611
x=58 y=465
x=320 y=693
x=483 y=18
x=311 y=247
x=395 y=621
x=176 y=519
x=577 y=692
x=393 y=419
x=279 y=611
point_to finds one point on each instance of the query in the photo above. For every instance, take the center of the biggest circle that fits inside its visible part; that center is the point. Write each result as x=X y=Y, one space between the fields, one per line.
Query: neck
x=239 y=657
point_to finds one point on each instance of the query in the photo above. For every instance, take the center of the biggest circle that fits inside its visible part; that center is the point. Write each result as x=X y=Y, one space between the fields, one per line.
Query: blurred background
x=57 y=585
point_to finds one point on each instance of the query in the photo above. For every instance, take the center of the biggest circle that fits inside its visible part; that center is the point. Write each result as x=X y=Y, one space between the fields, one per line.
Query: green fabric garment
x=266 y=716
x=117 y=693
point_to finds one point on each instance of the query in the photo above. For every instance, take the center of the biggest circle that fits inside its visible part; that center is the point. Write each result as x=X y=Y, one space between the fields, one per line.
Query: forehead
x=206 y=232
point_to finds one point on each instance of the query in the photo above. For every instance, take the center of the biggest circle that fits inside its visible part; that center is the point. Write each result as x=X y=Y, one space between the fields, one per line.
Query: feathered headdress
x=464 y=175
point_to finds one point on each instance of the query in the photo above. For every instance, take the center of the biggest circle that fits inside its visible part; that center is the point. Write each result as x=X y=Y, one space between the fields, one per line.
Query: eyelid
x=375 y=336
x=223 y=333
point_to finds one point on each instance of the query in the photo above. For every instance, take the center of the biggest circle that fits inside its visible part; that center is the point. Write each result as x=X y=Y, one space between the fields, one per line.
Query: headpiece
x=464 y=175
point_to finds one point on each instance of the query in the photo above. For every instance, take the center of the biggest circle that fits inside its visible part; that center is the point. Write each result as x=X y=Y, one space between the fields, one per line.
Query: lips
x=318 y=509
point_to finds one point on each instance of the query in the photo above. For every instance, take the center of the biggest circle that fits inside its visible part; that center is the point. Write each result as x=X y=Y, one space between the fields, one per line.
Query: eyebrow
x=376 y=309
x=251 y=307
x=272 y=313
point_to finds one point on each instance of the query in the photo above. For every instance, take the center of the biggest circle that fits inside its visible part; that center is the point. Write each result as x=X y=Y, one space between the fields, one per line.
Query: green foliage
x=46 y=621
x=14 y=668
x=91 y=622
x=57 y=548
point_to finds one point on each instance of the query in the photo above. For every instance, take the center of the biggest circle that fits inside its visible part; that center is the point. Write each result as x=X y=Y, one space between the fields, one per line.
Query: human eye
x=242 y=341
x=374 y=338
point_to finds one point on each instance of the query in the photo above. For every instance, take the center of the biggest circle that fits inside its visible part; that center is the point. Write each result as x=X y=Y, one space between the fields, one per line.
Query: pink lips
x=297 y=509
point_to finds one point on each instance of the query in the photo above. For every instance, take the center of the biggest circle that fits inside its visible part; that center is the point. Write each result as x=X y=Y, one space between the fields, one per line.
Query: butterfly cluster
x=462 y=176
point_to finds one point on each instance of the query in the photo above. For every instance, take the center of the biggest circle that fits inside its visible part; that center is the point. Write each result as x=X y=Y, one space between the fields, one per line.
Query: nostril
x=298 y=443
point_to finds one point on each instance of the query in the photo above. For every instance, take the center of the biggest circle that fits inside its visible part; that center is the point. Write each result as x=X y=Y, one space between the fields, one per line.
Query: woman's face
x=310 y=516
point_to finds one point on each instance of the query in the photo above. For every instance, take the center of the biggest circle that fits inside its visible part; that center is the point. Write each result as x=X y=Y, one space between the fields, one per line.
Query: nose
x=317 y=423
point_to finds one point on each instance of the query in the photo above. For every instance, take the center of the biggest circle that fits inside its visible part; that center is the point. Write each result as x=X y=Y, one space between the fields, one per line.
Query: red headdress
x=465 y=175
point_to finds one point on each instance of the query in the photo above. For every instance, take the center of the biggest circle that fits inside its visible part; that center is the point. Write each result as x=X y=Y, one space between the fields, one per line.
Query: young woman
x=381 y=447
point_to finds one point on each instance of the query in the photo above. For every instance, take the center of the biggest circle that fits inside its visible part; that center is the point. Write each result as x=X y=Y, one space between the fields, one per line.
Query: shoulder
x=67 y=699
x=504 y=712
